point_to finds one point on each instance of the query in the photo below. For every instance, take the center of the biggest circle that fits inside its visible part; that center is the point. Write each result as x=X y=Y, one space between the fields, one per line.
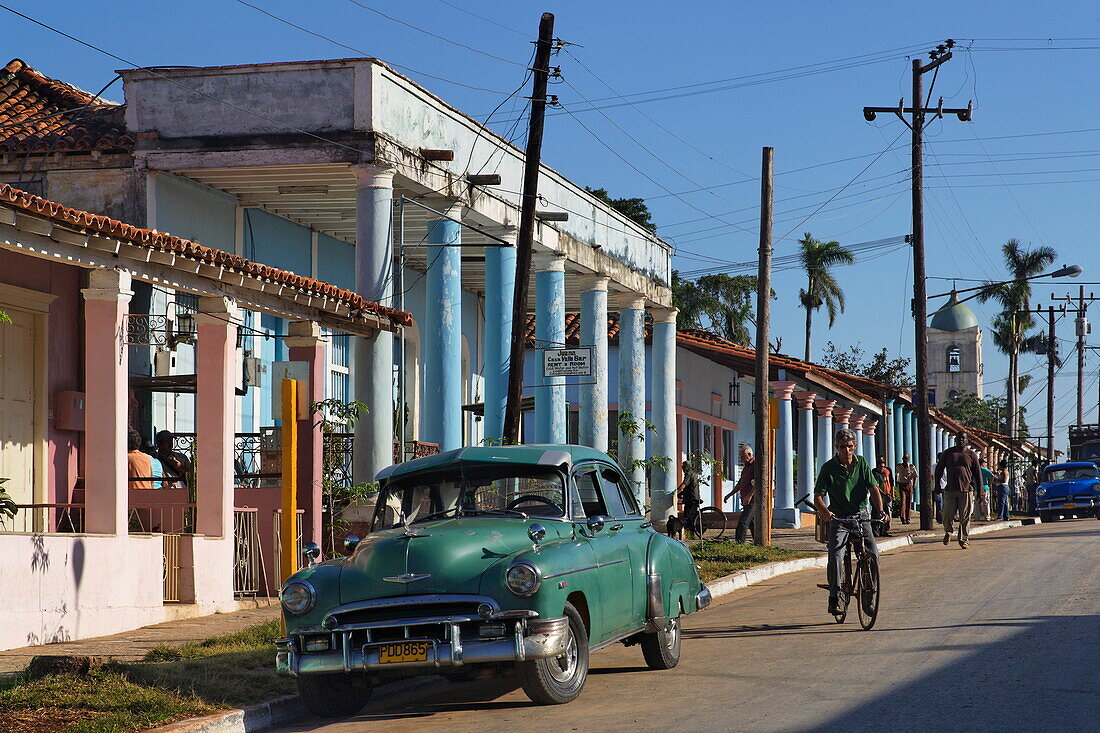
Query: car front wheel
x=559 y=679
x=661 y=649
x=335 y=695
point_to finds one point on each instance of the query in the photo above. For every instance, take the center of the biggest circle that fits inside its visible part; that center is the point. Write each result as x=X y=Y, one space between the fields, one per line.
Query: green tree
x=1011 y=327
x=723 y=303
x=634 y=209
x=822 y=289
x=880 y=366
x=988 y=413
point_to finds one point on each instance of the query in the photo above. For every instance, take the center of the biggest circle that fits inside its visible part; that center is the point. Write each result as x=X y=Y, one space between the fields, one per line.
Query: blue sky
x=1030 y=70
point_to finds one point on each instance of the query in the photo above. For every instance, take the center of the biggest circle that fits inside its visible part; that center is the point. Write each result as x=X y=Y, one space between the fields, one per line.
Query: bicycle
x=706 y=523
x=862 y=582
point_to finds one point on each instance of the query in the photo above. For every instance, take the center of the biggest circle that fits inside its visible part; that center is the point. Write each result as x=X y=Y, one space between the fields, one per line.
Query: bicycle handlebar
x=805 y=500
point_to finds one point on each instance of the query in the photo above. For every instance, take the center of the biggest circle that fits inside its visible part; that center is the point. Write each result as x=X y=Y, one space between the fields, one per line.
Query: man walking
x=847 y=480
x=745 y=487
x=905 y=478
x=964 y=475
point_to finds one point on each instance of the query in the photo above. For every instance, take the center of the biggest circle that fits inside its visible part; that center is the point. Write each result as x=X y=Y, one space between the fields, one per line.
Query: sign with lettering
x=567 y=363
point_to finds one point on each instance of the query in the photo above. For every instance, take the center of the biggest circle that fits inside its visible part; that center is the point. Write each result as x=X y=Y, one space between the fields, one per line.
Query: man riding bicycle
x=848 y=481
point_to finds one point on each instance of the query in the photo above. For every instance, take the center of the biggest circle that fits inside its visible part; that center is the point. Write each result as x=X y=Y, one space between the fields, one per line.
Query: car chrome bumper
x=703 y=599
x=1062 y=502
x=530 y=639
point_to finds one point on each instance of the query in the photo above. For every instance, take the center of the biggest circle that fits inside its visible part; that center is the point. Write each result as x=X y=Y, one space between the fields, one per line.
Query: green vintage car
x=485 y=560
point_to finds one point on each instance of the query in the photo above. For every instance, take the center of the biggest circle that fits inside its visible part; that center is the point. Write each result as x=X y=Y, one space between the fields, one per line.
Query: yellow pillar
x=288 y=524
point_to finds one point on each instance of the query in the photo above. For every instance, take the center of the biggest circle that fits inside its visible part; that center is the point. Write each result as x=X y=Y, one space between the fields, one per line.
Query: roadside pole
x=288 y=519
x=525 y=235
x=762 y=495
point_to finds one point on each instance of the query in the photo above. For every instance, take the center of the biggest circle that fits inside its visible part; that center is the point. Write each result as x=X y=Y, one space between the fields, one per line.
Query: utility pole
x=525 y=236
x=916 y=124
x=1082 y=329
x=1052 y=360
x=762 y=466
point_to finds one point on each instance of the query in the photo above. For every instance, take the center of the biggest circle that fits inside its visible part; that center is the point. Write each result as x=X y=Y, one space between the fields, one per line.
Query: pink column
x=856 y=422
x=306 y=344
x=841 y=415
x=824 y=431
x=215 y=410
x=106 y=405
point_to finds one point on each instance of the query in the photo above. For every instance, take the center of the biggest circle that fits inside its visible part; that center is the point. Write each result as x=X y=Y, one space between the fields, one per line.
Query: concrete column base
x=786 y=519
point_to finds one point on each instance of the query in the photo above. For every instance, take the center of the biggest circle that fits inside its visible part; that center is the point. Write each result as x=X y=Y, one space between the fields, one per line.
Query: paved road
x=1004 y=636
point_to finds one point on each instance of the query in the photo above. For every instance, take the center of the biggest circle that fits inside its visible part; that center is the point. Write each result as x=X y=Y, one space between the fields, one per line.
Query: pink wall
x=65 y=352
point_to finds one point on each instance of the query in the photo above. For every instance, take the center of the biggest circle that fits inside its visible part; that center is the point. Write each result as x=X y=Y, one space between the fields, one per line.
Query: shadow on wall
x=40 y=563
x=1044 y=677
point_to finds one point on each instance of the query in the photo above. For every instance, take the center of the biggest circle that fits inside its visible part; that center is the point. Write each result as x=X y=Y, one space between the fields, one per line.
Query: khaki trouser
x=960 y=502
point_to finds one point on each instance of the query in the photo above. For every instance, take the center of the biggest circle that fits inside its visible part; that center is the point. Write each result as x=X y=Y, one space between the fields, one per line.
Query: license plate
x=403 y=651
x=1069 y=506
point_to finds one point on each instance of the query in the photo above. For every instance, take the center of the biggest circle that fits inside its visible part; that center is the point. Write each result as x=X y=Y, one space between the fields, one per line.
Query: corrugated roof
x=39 y=114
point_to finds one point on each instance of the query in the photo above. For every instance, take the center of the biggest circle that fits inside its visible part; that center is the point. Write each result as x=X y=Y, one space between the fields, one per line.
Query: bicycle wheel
x=867 y=590
x=845 y=594
x=714 y=522
x=695 y=525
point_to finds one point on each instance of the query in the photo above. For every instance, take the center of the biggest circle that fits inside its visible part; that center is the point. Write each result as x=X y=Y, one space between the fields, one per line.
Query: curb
x=259 y=717
x=742 y=578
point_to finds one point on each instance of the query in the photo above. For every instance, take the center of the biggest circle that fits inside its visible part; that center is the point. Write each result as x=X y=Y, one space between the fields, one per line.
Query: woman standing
x=885 y=476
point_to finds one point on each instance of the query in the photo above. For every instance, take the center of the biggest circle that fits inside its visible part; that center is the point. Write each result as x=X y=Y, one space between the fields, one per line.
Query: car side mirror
x=596 y=523
x=350 y=543
x=310 y=552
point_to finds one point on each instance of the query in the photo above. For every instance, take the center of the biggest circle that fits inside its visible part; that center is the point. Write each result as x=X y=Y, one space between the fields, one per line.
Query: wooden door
x=17 y=358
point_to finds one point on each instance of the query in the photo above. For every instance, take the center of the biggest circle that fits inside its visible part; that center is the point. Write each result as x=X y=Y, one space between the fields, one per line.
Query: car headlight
x=1041 y=492
x=523 y=579
x=297 y=597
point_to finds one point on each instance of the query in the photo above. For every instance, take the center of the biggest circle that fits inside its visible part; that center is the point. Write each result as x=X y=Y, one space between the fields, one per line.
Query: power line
x=323 y=37
x=435 y=35
x=482 y=17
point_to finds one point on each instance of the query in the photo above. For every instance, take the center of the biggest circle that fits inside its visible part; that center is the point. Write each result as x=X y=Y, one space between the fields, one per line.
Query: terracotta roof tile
x=39 y=114
x=152 y=239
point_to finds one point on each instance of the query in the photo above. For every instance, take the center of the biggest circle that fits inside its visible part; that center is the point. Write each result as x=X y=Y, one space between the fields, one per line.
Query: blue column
x=632 y=387
x=888 y=433
x=549 y=332
x=870 y=450
x=805 y=444
x=784 y=513
x=663 y=390
x=899 y=432
x=856 y=425
x=824 y=431
x=373 y=356
x=500 y=277
x=915 y=445
x=442 y=353
x=593 y=397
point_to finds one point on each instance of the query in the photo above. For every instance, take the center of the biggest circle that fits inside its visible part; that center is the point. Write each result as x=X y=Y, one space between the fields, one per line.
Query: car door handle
x=615 y=527
x=646 y=525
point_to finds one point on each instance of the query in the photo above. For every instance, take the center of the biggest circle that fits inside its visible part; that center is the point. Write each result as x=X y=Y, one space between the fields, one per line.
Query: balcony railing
x=45 y=519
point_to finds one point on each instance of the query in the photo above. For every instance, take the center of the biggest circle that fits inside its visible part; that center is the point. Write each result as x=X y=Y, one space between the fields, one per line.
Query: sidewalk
x=131 y=646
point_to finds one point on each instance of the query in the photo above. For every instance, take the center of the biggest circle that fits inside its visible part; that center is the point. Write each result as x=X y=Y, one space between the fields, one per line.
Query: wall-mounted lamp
x=735 y=392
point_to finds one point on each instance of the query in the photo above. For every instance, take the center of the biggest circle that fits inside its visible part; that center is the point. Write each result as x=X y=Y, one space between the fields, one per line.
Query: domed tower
x=954 y=352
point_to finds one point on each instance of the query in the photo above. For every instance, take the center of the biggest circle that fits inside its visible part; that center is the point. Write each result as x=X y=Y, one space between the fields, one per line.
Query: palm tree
x=1011 y=326
x=822 y=289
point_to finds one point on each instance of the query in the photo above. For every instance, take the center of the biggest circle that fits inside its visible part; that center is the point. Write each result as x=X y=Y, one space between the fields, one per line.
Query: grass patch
x=103 y=701
x=172 y=683
x=722 y=557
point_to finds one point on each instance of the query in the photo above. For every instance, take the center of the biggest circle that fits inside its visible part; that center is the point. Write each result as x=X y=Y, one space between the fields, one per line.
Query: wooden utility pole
x=1081 y=325
x=916 y=124
x=1052 y=355
x=762 y=495
x=526 y=234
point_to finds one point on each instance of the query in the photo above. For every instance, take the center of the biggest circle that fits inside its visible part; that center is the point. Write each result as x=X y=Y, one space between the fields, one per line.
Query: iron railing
x=44 y=519
x=171 y=544
x=249 y=573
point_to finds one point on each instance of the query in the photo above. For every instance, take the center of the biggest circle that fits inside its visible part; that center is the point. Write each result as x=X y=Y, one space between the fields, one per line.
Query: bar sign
x=566 y=363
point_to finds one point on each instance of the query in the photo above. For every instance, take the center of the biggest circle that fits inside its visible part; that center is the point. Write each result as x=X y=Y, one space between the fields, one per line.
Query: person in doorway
x=959 y=465
x=139 y=465
x=848 y=482
x=983 y=493
x=688 y=492
x=905 y=475
x=177 y=464
x=1001 y=496
x=745 y=487
x=886 y=486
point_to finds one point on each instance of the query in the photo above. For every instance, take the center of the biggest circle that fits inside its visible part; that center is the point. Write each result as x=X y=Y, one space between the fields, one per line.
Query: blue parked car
x=1069 y=489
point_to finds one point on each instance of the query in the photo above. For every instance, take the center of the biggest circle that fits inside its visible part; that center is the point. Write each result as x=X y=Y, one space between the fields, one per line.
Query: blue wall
x=194 y=211
x=335 y=262
x=277 y=242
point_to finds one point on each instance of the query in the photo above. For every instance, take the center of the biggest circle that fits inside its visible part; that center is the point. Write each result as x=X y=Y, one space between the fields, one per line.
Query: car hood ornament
x=406 y=577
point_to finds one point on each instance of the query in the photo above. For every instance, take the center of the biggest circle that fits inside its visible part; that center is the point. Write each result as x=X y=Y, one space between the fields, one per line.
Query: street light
x=1064 y=271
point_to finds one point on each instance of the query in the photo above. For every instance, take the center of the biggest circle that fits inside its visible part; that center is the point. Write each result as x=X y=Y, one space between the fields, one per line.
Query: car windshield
x=471 y=491
x=1071 y=473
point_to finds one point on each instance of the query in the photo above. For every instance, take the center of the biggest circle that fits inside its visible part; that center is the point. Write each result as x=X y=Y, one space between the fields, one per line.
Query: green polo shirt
x=846 y=487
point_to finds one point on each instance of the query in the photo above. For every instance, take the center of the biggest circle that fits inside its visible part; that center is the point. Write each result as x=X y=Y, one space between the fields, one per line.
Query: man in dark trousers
x=744 y=487
x=964 y=477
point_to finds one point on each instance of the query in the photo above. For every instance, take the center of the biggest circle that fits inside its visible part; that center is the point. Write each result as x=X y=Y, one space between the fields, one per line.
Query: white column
x=373 y=365
x=856 y=426
x=824 y=430
x=663 y=390
x=593 y=397
x=550 y=400
x=784 y=513
x=632 y=386
x=805 y=444
x=870 y=450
